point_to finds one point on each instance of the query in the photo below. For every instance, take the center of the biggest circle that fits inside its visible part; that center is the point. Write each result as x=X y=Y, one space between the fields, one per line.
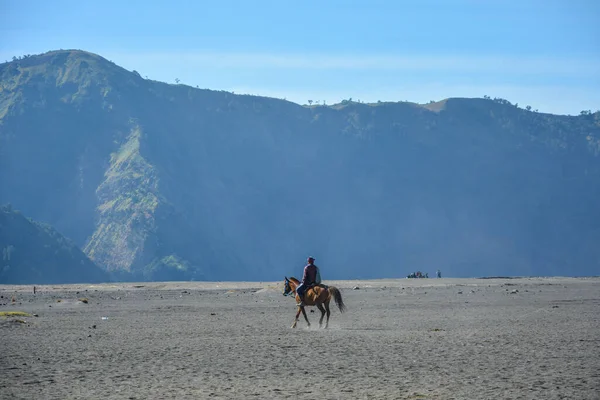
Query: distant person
x=439 y=273
x=310 y=277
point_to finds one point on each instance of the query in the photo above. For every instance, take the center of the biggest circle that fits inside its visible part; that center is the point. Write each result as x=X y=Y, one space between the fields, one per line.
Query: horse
x=314 y=296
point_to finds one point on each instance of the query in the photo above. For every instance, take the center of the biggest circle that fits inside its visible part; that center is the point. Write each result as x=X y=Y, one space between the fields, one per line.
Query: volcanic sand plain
x=521 y=338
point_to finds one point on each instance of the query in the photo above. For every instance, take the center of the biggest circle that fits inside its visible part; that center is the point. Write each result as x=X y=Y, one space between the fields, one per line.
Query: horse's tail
x=337 y=296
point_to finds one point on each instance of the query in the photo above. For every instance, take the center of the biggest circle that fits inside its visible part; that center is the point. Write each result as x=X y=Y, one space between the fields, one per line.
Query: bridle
x=288 y=289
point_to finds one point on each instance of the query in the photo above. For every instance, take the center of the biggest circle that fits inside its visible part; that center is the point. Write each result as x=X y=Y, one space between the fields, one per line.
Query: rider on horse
x=310 y=277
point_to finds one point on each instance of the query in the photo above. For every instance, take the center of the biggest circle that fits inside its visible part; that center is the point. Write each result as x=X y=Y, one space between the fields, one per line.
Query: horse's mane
x=291 y=278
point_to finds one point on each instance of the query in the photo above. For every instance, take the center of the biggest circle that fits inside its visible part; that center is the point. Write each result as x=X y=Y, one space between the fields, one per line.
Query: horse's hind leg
x=320 y=306
x=328 y=313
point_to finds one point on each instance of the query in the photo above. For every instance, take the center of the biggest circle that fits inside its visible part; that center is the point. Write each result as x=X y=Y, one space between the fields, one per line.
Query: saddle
x=312 y=285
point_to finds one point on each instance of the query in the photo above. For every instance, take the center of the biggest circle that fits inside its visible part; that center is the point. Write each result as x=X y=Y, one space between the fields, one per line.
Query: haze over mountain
x=168 y=182
x=33 y=252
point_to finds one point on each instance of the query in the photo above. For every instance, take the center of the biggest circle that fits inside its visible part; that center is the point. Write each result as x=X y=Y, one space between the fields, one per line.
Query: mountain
x=33 y=252
x=168 y=182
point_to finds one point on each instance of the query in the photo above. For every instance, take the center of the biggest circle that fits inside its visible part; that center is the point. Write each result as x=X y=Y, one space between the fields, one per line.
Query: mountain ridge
x=61 y=56
x=159 y=180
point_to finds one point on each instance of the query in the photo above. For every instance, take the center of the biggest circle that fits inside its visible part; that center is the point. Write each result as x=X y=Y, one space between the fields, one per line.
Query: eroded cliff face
x=126 y=214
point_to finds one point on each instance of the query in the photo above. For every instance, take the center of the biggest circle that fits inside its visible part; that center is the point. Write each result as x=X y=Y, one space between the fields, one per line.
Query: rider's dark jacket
x=310 y=274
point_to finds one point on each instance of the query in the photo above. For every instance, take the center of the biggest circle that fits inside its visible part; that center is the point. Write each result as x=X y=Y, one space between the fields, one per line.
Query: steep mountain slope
x=160 y=181
x=36 y=253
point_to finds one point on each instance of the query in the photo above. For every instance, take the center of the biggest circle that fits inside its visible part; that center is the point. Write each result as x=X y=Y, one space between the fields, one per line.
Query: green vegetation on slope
x=127 y=207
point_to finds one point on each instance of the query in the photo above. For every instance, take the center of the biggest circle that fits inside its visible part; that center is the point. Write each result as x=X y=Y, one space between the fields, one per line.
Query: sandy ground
x=530 y=338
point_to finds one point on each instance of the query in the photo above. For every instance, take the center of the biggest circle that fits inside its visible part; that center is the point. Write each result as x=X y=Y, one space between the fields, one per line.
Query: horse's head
x=287 y=287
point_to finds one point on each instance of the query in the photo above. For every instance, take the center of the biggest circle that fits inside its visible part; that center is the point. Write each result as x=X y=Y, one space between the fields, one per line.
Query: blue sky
x=540 y=53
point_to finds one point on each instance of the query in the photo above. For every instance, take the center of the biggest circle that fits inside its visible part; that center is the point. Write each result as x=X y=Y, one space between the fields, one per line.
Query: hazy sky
x=543 y=53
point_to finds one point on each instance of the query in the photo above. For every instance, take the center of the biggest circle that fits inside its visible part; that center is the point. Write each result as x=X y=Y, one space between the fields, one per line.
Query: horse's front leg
x=296 y=320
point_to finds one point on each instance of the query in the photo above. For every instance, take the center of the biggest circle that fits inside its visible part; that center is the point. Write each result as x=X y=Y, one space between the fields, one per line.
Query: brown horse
x=314 y=296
